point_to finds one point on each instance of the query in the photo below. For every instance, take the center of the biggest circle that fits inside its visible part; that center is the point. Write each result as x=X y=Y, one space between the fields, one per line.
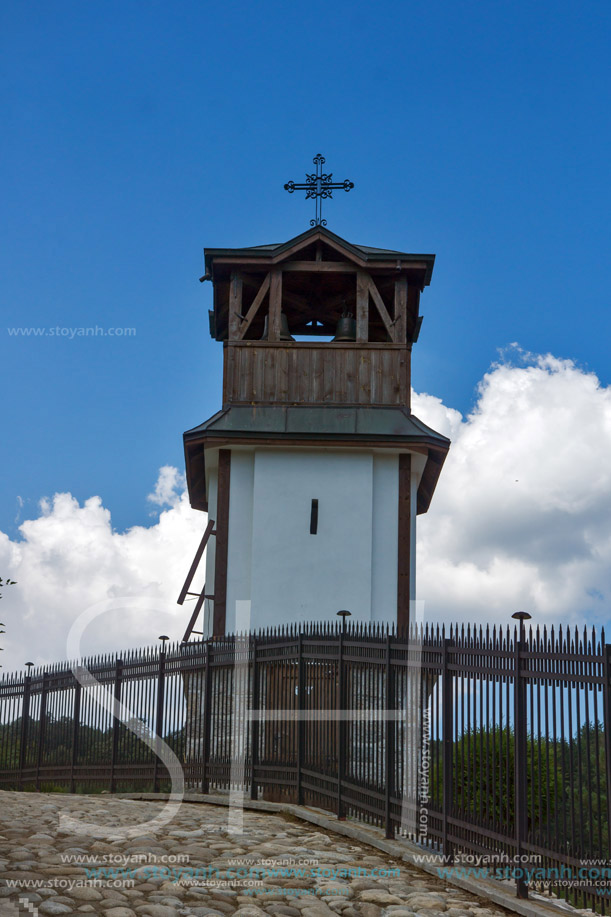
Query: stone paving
x=153 y=875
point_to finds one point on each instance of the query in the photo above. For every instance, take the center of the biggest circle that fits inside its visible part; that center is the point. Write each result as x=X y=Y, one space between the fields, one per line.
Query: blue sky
x=137 y=133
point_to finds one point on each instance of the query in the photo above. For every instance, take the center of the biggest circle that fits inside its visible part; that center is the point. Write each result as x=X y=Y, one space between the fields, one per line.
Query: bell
x=346 y=328
x=285 y=334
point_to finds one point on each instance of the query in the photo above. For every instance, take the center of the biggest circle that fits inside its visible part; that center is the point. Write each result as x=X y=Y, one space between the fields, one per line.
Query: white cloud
x=168 y=487
x=521 y=519
x=70 y=558
x=522 y=514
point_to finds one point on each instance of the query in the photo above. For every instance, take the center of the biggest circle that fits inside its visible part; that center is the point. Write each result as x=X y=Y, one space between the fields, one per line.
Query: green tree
x=582 y=820
x=484 y=778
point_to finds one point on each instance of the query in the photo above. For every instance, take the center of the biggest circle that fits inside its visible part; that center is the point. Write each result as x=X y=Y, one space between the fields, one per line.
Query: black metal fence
x=492 y=743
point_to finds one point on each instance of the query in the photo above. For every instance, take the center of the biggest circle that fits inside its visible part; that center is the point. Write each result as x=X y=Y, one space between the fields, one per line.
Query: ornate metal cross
x=319 y=185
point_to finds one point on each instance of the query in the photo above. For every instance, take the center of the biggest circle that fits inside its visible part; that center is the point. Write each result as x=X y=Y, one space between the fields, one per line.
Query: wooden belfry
x=315 y=468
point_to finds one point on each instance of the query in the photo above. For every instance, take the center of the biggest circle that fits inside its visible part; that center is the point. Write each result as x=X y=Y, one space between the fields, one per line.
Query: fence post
x=520 y=754
x=43 y=725
x=76 y=713
x=447 y=749
x=159 y=716
x=390 y=727
x=300 y=722
x=254 y=721
x=340 y=722
x=25 y=724
x=115 y=722
x=607 y=716
x=207 y=716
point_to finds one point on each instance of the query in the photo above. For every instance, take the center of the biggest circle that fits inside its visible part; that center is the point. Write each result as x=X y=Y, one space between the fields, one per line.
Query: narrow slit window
x=314 y=518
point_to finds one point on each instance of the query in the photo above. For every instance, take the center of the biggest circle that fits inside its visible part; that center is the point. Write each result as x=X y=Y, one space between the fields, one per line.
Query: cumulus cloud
x=521 y=519
x=168 y=488
x=70 y=558
x=522 y=514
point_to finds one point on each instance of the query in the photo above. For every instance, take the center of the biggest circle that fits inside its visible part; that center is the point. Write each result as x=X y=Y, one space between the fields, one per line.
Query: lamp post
x=340 y=733
x=160 y=706
x=25 y=722
x=522 y=616
x=520 y=749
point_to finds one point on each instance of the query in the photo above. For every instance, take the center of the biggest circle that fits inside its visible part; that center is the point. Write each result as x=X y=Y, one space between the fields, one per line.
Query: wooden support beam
x=194 y=616
x=321 y=267
x=275 y=306
x=413 y=305
x=379 y=302
x=245 y=325
x=405 y=546
x=222 y=544
x=400 y=309
x=198 y=556
x=362 y=307
x=355 y=264
x=235 y=305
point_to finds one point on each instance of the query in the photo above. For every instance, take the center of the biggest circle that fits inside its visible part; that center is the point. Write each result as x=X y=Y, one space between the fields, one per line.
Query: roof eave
x=272 y=254
x=196 y=442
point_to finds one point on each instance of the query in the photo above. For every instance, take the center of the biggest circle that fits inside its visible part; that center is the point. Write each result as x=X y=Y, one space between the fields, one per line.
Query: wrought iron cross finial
x=318 y=185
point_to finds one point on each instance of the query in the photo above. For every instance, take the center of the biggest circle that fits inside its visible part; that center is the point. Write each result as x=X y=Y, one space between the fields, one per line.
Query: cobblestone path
x=196 y=866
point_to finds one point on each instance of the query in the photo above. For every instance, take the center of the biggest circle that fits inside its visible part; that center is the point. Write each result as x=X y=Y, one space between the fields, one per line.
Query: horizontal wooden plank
x=263 y=264
x=328 y=345
x=321 y=267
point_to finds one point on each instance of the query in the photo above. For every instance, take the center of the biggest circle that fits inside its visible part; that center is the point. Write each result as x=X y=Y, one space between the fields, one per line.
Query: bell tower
x=314 y=470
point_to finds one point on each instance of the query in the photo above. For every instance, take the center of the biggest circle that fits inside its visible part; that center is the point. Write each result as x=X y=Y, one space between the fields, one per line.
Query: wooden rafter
x=256 y=303
x=379 y=302
x=306 y=243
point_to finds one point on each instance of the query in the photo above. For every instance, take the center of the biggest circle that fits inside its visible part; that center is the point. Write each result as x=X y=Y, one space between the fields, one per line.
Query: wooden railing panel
x=303 y=373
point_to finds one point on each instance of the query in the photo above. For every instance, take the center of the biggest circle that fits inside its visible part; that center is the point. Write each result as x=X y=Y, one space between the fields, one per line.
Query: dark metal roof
x=363 y=252
x=316 y=424
x=388 y=423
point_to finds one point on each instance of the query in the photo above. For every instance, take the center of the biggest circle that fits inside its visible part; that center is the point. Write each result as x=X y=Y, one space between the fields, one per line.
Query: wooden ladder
x=184 y=592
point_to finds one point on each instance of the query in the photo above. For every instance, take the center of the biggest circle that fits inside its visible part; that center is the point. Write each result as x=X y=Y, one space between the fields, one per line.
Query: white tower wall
x=289 y=575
